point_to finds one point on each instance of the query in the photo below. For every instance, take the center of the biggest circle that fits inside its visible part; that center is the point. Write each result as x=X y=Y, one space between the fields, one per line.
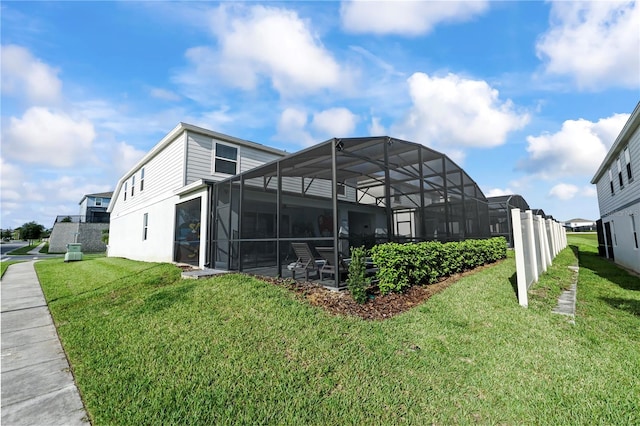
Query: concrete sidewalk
x=37 y=386
x=36 y=250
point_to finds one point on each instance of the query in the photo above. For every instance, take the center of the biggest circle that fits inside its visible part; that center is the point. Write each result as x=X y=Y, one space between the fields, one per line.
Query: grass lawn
x=149 y=348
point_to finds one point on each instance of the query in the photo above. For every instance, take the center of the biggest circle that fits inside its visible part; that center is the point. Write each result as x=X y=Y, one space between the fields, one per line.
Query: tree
x=31 y=231
x=7 y=233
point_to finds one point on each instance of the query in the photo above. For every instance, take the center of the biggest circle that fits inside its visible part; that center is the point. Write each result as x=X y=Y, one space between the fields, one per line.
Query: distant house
x=618 y=185
x=579 y=225
x=86 y=228
x=93 y=207
x=500 y=214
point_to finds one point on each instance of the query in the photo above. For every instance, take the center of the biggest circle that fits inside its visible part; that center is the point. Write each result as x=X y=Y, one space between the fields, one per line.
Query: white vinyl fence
x=536 y=242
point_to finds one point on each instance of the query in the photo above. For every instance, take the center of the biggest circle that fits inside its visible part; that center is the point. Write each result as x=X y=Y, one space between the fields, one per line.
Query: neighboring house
x=207 y=199
x=86 y=228
x=93 y=207
x=579 y=225
x=618 y=185
x=159 y=205
x=500 y=214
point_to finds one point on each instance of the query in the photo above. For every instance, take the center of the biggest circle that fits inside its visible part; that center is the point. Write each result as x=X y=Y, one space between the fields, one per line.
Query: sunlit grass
x=149 y=348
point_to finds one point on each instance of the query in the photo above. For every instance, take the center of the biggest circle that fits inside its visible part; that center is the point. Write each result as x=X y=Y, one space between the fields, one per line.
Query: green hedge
x=403 y=265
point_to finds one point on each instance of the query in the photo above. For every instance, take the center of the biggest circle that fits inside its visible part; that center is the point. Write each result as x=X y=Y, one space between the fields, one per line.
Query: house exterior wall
x=89 y=202
x=200 y=157
x=621 y=209
x=173 y=173
x=164 y=174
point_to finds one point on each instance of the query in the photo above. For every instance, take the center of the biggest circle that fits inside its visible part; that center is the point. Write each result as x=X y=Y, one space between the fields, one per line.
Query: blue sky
x=526 y=96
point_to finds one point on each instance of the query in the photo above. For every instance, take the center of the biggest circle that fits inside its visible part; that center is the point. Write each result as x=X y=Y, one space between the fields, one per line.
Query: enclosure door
x=187 y=232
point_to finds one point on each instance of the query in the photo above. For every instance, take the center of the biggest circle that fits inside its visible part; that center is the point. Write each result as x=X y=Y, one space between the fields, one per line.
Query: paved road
x=7 y=247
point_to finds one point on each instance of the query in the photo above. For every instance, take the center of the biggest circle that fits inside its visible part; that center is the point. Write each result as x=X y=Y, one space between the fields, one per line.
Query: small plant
x=66 y=220
x=105 y=236
x=357 y=281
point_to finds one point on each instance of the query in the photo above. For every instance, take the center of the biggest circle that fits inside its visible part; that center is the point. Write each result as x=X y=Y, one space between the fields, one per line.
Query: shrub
x=403 y=265
x=357 y=281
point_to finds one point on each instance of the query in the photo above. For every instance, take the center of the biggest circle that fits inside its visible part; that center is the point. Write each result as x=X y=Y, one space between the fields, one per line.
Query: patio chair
x=329 y=267
x=306 y=261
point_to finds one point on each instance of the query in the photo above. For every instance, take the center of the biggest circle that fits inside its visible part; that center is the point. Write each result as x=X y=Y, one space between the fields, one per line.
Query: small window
x=225 y=159
x=634 y=230
x=620 y=174
x=98 y=202
x=142 y=180
x=627 y=160
x=126 y=188
x=611 y=182
x=133 y=184
x=145 y=225
x=341 y=189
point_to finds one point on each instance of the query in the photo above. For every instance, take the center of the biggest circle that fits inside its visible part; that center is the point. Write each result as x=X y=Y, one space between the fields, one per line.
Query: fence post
x=518 y=246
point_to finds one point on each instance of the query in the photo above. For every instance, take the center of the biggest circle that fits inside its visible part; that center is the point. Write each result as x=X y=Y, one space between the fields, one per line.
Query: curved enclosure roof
x=369 y=164
x=512 y=201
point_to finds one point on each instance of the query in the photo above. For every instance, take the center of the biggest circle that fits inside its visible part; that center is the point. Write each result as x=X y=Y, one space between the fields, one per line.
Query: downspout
x=334 y=202
x=209 y=231
x=387 y=192
x=278 y=219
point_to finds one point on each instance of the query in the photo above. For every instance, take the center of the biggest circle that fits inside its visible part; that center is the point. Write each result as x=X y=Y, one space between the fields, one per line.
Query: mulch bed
x=379 y=307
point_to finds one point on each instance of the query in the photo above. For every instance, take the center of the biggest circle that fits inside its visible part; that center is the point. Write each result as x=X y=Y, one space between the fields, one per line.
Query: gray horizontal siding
x=200 y=154
x=163 y=174
x=622 y=195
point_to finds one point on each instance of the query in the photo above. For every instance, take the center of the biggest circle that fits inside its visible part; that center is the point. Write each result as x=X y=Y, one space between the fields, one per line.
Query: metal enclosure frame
x=342 y=193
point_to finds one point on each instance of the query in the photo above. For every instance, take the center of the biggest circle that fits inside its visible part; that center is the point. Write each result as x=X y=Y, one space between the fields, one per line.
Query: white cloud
x=164 y=94
x=23 y=75
x=452 y=111
x=595 y=42
x=577 y=149
x=335 y=122
x=496 y=192
x=47 y=137
x=564 y=191
x=261 y=42
x=125 y=157
x=589 y=191
x=291 y=127
x=376 y=128
x=12 y=182
x=405 y=17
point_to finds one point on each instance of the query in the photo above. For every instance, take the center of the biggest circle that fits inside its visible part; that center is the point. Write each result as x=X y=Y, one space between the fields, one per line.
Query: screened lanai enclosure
x=341 y=193
x=500 y=214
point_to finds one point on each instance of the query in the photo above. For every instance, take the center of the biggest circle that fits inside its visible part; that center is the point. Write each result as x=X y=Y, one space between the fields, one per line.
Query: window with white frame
x=627 y=160
x=620 y=173
x=126 y=188
x=133 y=184
x=634 y=230
x=225 y=159
x=145 y=225
x=98 y=202
x=611 y=182
x=142 y=179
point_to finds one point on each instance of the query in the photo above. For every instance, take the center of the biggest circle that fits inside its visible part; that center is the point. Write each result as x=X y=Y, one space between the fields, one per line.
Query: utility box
x=74 y=252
